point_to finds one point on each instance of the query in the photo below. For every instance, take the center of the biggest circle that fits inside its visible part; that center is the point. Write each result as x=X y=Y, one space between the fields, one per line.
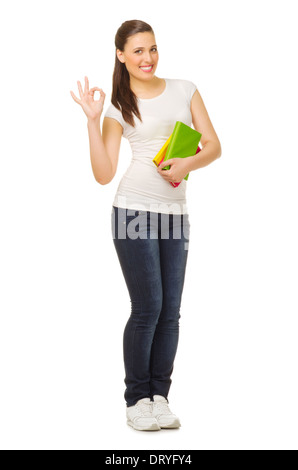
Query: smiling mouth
x=146 y=68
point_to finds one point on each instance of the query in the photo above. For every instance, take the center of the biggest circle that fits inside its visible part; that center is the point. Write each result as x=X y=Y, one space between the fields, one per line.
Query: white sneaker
x=161 y=411
x=140 y=416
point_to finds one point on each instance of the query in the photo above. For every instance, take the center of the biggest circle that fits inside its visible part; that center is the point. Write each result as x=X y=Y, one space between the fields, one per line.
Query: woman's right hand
x=91 y=107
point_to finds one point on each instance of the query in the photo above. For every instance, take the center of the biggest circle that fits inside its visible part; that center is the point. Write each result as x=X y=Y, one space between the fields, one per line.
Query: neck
x=140 y=86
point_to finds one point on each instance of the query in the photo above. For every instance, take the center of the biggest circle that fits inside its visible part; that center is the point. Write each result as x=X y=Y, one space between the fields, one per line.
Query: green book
x=184 y=143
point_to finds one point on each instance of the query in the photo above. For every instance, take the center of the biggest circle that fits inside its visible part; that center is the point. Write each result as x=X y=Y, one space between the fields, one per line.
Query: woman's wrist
x=190 y=163
x=91 y=122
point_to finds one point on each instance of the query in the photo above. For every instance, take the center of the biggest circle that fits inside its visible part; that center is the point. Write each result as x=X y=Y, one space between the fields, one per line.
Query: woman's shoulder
x=111 y=109
x=182 y=85
x=114 y=113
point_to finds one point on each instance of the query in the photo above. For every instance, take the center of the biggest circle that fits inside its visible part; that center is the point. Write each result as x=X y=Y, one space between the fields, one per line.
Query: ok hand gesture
x=91 y=107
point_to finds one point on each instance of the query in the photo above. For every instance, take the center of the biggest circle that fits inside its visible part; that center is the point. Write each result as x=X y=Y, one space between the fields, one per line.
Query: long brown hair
x=123 y=98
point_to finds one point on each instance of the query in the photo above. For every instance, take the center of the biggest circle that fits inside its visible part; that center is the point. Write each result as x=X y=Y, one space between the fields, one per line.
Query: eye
x=153 y=49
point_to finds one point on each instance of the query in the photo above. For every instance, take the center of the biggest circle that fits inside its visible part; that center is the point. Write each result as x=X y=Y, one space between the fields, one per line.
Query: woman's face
x=140 y=51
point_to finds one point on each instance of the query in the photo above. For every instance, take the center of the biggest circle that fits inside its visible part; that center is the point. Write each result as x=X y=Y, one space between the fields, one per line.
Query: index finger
x=86 y=85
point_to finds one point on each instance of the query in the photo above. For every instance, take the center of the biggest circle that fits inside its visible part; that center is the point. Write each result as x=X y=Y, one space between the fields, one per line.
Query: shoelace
x=144 y=409
x=162 y=408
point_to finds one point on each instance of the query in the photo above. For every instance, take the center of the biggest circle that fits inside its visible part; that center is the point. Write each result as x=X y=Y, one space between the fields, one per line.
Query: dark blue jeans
x=152 y=249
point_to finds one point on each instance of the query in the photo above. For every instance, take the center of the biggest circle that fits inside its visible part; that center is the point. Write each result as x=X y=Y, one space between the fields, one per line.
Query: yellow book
x=161 y=154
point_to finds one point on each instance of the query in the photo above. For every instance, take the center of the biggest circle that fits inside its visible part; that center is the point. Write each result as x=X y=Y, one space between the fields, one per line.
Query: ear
x=120 y=56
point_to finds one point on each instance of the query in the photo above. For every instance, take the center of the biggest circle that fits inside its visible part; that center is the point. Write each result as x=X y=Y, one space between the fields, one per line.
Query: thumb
x=166 y=162
x=94 y=89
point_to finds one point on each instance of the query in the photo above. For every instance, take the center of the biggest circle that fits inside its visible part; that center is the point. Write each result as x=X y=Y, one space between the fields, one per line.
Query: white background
x=64 y=302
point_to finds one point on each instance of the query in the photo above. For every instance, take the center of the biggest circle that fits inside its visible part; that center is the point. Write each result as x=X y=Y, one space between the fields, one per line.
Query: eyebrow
x=154 y=45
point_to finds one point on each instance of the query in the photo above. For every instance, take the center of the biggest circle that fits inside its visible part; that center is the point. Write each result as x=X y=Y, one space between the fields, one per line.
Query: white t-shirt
x=141 y=187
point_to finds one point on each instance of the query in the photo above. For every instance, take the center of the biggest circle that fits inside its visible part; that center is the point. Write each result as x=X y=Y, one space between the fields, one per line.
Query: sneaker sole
x=174 y=425
x=153 y=427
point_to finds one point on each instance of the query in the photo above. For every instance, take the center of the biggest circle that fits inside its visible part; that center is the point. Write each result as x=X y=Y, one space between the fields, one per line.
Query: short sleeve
x=114 y=113
x=191 y=89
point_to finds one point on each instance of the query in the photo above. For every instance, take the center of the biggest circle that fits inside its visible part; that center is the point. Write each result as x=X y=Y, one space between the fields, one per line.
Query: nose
x=148 y=58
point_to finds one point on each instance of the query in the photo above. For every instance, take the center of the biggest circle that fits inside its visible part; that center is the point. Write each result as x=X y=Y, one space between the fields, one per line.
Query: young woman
x=149 y=215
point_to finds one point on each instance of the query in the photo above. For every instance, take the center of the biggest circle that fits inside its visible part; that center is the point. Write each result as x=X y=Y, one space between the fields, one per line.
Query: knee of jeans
x=170 y=312
x=147 y=311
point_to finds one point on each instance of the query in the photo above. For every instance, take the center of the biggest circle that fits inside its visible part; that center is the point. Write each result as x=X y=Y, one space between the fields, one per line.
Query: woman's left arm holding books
x=211 y=148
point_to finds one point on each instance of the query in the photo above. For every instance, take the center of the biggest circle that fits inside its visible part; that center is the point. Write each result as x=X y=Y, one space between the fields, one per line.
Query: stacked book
x=183 y=142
